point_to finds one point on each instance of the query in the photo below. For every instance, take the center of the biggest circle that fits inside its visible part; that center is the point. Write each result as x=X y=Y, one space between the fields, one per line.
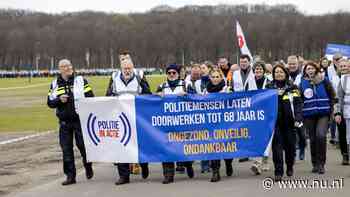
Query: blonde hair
x=216 y=70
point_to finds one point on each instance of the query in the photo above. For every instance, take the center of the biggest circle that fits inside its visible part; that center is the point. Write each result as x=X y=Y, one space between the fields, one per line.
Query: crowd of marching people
x=54 y=73
x=313 y=99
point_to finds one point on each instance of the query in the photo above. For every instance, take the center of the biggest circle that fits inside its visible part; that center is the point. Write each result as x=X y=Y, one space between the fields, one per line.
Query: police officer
x=128 y=81
x=289 y=116
x=64 y=91
x=173 y=85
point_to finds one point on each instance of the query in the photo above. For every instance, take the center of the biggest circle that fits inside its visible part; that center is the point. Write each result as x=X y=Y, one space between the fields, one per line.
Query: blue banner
x=209 y=127
x=338 y=48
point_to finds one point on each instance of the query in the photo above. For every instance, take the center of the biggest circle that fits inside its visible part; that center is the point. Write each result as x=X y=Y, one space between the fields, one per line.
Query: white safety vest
x=78 y=89
x=237 y=81
x=198 y=87
x=133 y=87
x=179 y=89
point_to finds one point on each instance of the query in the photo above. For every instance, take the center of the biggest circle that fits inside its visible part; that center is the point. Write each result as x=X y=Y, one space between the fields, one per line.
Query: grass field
x=23 y=104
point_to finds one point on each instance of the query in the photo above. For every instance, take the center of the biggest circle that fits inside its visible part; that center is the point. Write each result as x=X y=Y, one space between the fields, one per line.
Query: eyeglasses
x=216 y=77
x=172 y=73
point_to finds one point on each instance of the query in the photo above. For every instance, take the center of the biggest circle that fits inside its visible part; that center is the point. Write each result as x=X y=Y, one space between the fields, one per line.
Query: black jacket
x=66 y=111
x=286 y=119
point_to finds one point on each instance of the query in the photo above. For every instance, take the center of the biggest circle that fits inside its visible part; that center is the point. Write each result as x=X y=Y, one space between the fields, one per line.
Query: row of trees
x=164 y=35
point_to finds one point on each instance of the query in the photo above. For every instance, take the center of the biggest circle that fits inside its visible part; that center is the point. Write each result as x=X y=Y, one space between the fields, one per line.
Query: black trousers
x=301 y=138
x=68 y=131
x=215 y=164
x=124 y=169
x=342 y=137
x=169 y=167
x=283 y=140
x=317 y=127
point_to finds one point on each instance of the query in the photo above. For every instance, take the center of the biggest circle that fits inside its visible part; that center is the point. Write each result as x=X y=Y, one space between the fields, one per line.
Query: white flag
x=242 y=42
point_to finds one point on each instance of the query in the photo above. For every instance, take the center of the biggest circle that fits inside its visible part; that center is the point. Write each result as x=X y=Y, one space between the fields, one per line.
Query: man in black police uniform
x=128 y=81
x=63 y=92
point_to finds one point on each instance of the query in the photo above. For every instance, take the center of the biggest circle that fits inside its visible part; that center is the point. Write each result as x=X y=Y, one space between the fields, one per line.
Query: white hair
x=64 y=62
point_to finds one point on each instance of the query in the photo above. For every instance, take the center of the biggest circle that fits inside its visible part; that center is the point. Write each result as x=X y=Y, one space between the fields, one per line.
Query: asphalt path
x=242 y=183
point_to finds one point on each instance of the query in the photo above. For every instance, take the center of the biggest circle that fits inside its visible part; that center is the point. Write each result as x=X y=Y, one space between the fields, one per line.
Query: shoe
x=332 y=141
x=278 y=178
x=314 y=169
x=215 y=177
x=145 y=172
x=122 y=181
x=321 y=170
x=229 y=170
x=345 y=161
x=290 y=172
x=69 y=181
x=135 y=168
x=255 y=169
x=89 y=172
x=180 y=169
x=168 y=179
x=190 y=172
x=243 y=159
x=301 y=154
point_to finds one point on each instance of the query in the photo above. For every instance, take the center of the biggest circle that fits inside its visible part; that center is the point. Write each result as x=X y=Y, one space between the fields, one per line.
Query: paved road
x=243 y=183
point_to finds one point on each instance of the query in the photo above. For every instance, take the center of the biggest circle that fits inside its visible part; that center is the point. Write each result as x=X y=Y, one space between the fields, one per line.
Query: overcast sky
x=124 y=6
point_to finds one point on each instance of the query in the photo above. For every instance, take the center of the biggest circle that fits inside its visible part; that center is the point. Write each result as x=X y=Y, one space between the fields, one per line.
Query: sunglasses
x=172 y=73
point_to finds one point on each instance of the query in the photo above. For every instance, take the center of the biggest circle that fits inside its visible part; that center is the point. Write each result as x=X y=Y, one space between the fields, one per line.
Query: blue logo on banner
x=98 y=129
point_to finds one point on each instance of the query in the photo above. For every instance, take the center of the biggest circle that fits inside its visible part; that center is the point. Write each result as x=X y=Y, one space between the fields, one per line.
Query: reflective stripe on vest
x=78 y=89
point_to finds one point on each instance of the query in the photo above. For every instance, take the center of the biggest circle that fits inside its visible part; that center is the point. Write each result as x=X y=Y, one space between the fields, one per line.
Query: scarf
x=215 y=88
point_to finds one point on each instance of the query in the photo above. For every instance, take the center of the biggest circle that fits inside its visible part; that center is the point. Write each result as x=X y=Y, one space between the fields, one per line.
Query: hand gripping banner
x=138 y=129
